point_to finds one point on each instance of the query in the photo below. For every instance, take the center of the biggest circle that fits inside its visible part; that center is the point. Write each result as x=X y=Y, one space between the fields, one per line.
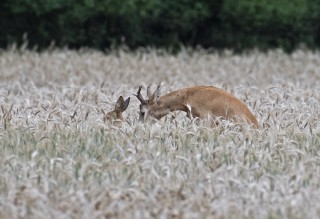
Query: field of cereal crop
x=59 y=159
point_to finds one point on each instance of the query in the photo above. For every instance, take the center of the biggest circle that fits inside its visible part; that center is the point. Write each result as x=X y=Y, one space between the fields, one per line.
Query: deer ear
x=119 y=103
x=156 y=94
x=125 y=104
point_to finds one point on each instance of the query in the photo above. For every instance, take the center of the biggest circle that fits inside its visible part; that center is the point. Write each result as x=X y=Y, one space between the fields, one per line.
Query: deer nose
x=141 y=117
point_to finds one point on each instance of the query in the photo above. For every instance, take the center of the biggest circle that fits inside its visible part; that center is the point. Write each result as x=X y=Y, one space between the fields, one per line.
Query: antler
x=139 y=96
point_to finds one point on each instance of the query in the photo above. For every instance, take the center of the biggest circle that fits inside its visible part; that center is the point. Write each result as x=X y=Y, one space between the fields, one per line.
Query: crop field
x=59 y=158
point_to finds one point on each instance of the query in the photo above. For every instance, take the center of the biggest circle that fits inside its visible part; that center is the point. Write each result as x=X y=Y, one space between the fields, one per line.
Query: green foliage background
x=101 y=24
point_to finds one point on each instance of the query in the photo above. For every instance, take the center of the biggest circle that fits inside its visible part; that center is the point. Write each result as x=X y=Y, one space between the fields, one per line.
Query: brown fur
x=198 y=101
x=116 y=113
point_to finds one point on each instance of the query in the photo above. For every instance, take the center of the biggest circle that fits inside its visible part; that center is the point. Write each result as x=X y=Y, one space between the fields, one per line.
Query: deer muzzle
x=142 y=116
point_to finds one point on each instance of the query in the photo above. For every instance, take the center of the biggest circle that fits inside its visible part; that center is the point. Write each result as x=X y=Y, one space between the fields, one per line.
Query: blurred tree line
x=101 y=24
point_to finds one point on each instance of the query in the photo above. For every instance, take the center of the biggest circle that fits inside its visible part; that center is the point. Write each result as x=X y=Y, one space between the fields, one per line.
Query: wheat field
x=59 y=159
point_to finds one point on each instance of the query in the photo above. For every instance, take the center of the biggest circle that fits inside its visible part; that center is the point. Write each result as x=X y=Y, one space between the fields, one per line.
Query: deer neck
x=170 y=102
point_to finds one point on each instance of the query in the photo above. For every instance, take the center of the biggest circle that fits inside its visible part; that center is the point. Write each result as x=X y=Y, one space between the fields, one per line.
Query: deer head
x=120 y=107
x=148 y=107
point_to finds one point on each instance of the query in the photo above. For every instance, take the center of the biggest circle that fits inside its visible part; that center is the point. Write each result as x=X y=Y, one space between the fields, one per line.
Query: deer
x=116 y=114
x=197 y=102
